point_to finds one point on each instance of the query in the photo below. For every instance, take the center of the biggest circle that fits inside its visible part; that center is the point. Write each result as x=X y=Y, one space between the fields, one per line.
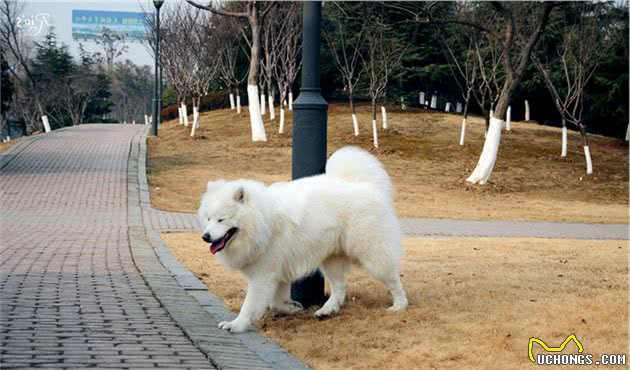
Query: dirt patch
x=474 y=303
x=421 y=153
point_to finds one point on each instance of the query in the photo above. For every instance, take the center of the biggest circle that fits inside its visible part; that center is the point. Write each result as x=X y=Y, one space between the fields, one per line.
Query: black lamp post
x=157 y=93
x=309 y=134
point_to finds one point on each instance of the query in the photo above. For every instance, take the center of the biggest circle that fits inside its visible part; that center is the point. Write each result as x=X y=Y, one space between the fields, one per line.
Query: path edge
x=185 y=297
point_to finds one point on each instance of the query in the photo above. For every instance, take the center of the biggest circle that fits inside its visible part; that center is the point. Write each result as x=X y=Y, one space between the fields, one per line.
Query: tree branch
x=217 y=11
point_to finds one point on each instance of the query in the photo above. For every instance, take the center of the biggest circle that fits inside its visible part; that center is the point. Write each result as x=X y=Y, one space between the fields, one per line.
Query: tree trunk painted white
x=355 y=124
x=508 y=119
x=258 y=128
x=185 y=114
x=181 y=115
x=462 y=135
x=384 y=114
x=458 y=107
x=421 y=98
x=8 y=138
x=448 y=107
x=195 y=124
x=290 y=101
x=589 y=163
x=491 y=114
x=238 y=104
x=481 y=173
x=374 y=133
x=628 y=132
x=434 y=102
x=263 y=105
x=526 y=110
x=564 y=142
x=124 y=122
x=281 y=129
x=146 y=120
x=232 y=106
x=272 y=112
x=402 y=103
x=133 y=122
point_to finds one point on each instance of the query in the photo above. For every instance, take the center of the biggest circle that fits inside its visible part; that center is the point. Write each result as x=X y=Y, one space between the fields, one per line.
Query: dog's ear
x=239 y=195
x=214 y=185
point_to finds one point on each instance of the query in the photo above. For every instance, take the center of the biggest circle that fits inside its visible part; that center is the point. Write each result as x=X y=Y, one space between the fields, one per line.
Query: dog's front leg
x=259 y=296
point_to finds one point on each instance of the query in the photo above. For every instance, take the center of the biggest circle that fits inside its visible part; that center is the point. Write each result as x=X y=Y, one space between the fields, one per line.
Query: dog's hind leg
x=335 y=269
x=385 y=270
x=282 y=300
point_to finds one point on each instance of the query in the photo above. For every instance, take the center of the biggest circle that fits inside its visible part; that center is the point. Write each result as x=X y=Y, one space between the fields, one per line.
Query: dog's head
x=231 y=223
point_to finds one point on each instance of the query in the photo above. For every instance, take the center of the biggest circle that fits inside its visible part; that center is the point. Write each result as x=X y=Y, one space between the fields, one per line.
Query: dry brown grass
x=421 y=153
x=5 y=146
x=474 y=303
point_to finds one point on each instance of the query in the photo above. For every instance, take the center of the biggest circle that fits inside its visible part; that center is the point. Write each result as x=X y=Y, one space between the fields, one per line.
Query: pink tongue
x=216 y=246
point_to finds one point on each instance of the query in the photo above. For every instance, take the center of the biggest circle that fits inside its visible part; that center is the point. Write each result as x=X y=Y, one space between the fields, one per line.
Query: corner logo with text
x=555 y=357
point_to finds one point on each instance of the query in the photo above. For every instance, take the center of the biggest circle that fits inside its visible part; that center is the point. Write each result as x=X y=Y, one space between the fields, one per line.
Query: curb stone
x=184 y=296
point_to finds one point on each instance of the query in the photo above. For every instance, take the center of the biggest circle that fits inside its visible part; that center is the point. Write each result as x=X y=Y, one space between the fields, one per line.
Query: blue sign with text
x=89 y=24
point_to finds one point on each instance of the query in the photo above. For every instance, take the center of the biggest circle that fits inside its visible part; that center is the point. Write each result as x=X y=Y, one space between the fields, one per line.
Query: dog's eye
x=220 y=220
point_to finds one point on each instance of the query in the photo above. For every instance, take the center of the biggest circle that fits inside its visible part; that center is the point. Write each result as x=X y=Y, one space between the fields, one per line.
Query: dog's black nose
x=206 y=237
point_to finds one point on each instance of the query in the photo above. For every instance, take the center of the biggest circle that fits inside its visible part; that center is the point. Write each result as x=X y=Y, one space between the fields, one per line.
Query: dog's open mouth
x=219 y=244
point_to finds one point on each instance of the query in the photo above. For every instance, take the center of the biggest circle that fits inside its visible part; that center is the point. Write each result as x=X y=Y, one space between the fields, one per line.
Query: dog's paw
x=287 y=308
x=234 y=326
x=327 y=310
x=397 y=307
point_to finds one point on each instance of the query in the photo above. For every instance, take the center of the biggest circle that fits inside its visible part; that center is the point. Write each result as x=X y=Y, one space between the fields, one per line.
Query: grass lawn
x=421 y=152
x=474 y=303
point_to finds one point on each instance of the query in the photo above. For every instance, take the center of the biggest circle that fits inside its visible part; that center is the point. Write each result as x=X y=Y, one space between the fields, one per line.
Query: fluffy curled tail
x=356 y=165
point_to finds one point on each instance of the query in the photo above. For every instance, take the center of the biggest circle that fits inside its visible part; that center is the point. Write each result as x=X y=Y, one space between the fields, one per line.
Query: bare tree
x=517 y=38
x=346 y=50
x=286 y=41
x=177 y=30
x=269 y=58
x=383 y=55
x=254 y=12
x=132 y=87
x=204 y=60
x=488 y=85
x=515 y=27
x=17 y=49
x=464 y=71
x=113 y=45
x=82 y=88
x=579 y=57
x=228 y=30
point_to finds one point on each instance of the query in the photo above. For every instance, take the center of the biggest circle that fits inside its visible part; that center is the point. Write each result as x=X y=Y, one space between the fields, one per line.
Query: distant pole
x=309 y=134
x=157 y=91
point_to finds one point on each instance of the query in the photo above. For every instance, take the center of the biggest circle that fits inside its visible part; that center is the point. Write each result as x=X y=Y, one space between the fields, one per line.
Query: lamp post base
x=309 y=291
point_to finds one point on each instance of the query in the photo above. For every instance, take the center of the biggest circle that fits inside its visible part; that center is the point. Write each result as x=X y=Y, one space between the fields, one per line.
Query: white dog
x=278 y=234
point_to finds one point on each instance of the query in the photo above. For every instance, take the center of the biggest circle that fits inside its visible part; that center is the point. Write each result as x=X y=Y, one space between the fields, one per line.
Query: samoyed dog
x=280 y=233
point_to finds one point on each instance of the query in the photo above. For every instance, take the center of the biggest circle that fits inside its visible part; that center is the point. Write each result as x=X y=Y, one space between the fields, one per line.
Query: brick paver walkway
x=70 y=293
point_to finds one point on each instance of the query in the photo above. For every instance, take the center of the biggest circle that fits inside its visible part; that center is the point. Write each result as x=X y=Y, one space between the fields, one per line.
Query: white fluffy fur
x=289 y=229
